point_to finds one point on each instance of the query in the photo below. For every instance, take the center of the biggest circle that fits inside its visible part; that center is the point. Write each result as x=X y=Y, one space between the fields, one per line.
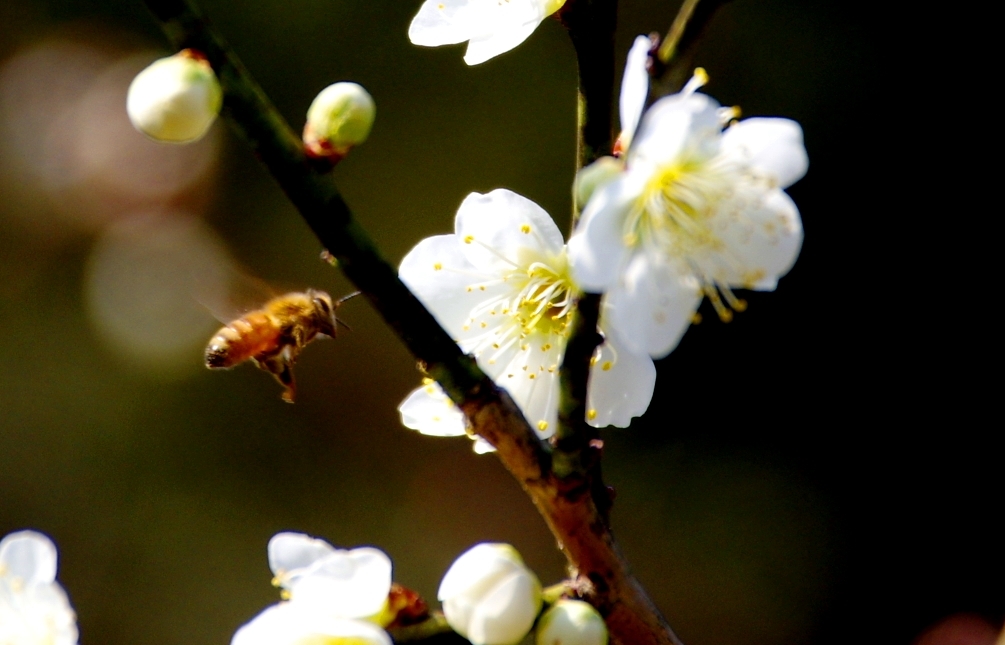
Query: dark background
x=818 y=471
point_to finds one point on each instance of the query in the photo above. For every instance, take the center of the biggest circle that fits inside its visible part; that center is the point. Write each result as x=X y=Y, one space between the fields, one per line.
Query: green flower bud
x=592 y=177
x=339 y=118
x=571 y=622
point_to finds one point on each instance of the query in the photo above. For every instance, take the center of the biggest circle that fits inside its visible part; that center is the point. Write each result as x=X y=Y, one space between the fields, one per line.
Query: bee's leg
x=281 y=366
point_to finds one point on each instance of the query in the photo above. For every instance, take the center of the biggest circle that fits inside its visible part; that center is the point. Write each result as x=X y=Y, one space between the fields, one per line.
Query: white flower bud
x=590 y=178
x=489 y=596
x=571 y=622
x=175 y=99
x=339 y=118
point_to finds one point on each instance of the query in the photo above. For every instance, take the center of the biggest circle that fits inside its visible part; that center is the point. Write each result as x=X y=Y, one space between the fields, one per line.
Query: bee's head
x=324 y=312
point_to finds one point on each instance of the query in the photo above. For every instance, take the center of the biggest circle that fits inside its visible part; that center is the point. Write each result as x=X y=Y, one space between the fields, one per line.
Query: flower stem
x=434 y=629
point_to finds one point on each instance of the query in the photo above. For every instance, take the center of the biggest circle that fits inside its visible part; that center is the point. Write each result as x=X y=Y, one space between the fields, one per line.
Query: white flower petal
x=483 y=562
x=498 y=229
x=349 y=584
x=430 y=411
x=271 y=627
x=762 y=241
x=441 y=22
x=292 y=552
x=498 y=42
x=652 y=305
x=489 y=596
x=634 y=88
x=537 y=396
x=491 y=26
x=675 y=129
x=621 y=385
x=290 y=624
x=482 y=447
x=28 y=555
x=597 y=249
x=438 y=272
x=506 y=614
x=771 y=146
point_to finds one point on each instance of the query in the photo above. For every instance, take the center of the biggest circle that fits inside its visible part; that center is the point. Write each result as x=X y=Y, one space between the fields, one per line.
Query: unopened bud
x=592 y=177
x=339 y=118
x=489 y=596
x=571 y=622
x=175 y=99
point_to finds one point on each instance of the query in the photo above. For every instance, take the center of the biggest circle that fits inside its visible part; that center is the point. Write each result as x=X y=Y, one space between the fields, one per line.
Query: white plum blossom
x=330 y=596
x=34 y=609
x=490 y=27
x=489 y=595
x=500 y=284
x=698 y=211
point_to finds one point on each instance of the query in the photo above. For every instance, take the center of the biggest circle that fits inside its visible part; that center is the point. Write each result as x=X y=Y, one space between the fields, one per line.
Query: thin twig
x=674 y=60
x=434 y=629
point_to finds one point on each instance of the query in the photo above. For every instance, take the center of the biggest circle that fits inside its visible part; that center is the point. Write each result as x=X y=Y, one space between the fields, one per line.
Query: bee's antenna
x=347 y=297
x=339 y=321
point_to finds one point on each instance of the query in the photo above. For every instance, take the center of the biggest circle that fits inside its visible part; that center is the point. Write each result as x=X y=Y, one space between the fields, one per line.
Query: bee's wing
x=244 y=292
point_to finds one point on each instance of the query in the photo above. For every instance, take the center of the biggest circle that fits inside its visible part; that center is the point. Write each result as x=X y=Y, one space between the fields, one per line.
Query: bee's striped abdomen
x=242 y=339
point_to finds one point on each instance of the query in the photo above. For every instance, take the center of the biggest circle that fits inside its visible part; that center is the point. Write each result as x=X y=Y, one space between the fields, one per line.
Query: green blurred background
x=775 y=493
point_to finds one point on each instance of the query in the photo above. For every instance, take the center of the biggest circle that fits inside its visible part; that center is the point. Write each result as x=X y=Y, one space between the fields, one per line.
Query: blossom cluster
x=502 y=285
x=691 y=206
x=328 y=596
x=339 y=597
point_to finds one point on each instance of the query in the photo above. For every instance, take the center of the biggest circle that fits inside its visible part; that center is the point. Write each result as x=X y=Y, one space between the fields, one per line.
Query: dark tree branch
x=591 y=26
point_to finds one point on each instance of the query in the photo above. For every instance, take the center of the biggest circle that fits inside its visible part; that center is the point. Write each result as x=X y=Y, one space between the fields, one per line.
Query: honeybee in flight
x=274 y=335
